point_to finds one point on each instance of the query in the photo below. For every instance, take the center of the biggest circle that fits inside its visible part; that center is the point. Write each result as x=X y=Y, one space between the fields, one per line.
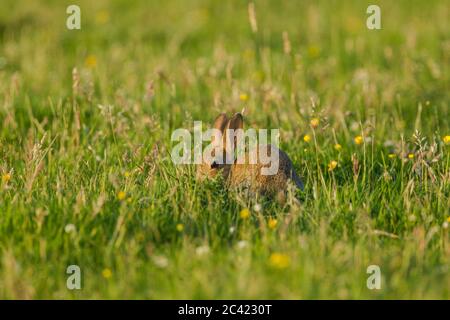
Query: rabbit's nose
x=214 y=165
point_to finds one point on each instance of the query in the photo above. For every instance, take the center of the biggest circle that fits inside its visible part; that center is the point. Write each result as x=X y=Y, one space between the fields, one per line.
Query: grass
x=86 y=118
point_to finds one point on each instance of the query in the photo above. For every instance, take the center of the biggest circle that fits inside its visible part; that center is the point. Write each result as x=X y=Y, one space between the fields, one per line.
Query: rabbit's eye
x=214 y=165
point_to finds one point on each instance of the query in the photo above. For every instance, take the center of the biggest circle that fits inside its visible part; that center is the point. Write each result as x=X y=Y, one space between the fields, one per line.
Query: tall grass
x=86 y=118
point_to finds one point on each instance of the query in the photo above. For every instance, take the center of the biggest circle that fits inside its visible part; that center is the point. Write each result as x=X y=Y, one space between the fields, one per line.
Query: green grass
x=69 y=147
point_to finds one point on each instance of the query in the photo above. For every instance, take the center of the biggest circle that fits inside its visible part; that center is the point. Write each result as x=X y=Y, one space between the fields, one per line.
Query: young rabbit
x=244 y=174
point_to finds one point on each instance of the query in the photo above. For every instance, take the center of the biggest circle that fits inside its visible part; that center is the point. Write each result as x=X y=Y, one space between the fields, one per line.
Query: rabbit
x=246 y=175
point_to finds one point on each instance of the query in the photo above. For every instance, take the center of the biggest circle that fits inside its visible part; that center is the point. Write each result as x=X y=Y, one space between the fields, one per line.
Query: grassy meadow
x=87 y=179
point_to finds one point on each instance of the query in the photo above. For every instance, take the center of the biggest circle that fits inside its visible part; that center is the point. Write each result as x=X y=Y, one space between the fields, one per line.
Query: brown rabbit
x=245 y=174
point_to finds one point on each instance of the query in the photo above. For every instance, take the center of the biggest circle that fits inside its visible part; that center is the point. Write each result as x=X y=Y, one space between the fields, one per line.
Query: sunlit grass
x=86 y=176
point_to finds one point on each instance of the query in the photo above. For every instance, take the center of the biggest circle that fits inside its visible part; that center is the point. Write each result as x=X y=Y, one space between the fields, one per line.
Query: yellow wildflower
x=272 y=223
x=243 y=97
x=337 y=147
x=314 y=122
x=180 y=227
x=6 y=177
x=245 y=213
x=107 y=273
x=121 y=195
x=446 y=139
x=332 y=165
x=307 y=138
x=91 y=61
x=358 y=140
x=411 y=155
x=279 y=260
x=391 y=155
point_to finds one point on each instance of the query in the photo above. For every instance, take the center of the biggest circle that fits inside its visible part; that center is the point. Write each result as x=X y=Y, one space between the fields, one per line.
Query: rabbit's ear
x=221 y=122
x=236 y=122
